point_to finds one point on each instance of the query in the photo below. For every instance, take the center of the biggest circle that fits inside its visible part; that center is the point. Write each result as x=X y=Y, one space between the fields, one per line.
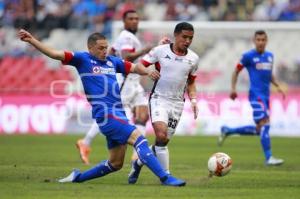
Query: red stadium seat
x=30 y=75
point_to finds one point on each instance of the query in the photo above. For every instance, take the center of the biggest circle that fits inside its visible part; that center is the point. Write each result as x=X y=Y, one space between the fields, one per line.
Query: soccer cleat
x=134 y=173
x=223 y=135
x=84 y=151
x=272 y=161
x=172 y=181
x=70 y=178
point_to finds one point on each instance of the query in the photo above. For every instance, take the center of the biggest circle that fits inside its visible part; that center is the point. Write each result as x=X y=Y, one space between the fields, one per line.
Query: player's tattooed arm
x=48 y=51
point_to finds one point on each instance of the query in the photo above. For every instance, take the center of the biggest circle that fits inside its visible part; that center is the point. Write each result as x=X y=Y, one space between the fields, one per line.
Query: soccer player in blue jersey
x=259 y=64
x=98 y=75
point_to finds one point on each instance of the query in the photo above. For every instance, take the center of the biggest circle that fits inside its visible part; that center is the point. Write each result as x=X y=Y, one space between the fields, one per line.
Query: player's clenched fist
x=24 y=35
x=154 y=75
x=233 y=95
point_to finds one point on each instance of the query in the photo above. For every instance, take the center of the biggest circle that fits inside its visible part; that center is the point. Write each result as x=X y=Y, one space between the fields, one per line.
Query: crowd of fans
x=97 y=15
x=42 y=16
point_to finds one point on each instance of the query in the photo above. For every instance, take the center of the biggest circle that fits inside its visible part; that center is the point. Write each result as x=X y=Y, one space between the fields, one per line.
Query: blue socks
x=147 y=157
x=251 y=130
x=244 y=130
x=100 y=170
x=266 y=141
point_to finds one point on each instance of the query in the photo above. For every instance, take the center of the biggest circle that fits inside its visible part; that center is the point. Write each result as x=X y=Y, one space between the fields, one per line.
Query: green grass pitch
x=30 y=166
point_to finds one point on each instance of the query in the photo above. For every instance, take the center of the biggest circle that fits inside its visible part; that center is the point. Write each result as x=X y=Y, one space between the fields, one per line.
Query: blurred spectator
x=170 y=11
x=122 y=7
x=25 y=14
x=155 y=10
x=53 y=14
x=291 y=11
x=88 y=14
x=111 y=7
x=268 y=11
x=97 y=15
x=1 y=9
x=186 y=10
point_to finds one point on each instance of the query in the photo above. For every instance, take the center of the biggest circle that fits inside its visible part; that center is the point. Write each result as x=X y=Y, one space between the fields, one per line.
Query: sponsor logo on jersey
x=96 y=69
x=108 y=71
x=167 y=57
x=108 y=63
x=263 y=66
x=188 y=61
x=178 y=59
x=270 y=59
x=102 y=70
x=93 y=62
x=256 y=59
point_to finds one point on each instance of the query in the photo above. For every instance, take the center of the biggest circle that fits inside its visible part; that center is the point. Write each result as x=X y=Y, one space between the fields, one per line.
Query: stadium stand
x=30 y=75
x=65 y=24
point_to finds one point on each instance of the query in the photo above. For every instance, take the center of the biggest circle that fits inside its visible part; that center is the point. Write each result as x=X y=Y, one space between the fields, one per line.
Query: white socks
x=162 y=154
x=91 y=134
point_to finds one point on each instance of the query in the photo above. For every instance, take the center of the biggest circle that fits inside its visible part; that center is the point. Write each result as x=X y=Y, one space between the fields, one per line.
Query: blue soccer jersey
x=102 y=90
x=259 y=67
x=99 y=80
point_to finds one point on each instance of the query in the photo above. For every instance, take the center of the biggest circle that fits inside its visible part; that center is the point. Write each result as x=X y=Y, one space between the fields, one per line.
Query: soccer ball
x=219 y=164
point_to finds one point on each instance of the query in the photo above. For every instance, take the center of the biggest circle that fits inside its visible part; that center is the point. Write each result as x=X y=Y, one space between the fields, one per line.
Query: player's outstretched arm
x=142 y=70
x=234 y=79
x=277 y=85
x=52 y=53
x=192 y=93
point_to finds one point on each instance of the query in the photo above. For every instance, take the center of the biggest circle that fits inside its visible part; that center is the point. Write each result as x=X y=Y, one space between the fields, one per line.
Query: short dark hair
x=183 y=26
x=260 y=32
x=94 y=37
x=127 y=12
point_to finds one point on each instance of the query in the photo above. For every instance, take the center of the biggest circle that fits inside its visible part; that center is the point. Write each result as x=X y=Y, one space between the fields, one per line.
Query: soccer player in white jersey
x=135 y=103
x=177 y=65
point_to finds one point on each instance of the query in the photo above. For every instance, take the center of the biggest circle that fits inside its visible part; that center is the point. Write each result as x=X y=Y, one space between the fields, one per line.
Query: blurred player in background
x=128 y=47
x=259 y=64
x=177 y=65
x=98 y=75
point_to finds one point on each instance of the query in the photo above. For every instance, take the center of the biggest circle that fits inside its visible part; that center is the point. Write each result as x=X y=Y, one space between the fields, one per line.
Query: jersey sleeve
x=73 y=58
x=150 y=58
x=194 y=70
x=127 y=45
x=244 y=62
x=122 y=66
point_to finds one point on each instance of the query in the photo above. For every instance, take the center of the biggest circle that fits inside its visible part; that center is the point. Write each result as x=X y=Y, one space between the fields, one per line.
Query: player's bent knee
x=141 y=120
x=117 y=165
x=261 y=123
x=162 y=138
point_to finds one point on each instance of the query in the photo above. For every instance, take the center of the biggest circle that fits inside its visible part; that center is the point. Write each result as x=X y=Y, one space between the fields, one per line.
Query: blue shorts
x=260 y=108
x=116 y=129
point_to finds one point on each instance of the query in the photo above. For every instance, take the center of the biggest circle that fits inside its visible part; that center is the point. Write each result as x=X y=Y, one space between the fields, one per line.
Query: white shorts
x=167 y=111
x=133 y=94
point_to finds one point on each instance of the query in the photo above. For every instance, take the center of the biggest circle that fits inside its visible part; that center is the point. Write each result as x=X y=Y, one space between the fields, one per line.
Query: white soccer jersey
x=132 y=92
x=174 y=71
x=127 y=41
